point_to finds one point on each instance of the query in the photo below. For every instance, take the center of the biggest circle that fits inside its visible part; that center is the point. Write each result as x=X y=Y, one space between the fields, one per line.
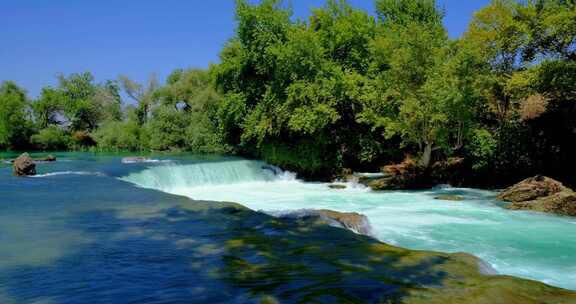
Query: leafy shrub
x=51 y=138
x=482 y=149
x=119 y=136
x=166 y=129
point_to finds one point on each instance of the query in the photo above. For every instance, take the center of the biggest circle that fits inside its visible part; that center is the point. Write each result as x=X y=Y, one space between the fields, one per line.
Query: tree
x=407 y=12
x=80 y=109
x=410 y=52
x=48 y=107
x=499 y=37
x=550 y=26
x=107 y=98
x=143 y=95
x=14 y=116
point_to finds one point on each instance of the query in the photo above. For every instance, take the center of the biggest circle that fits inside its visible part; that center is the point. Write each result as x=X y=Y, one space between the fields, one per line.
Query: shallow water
x=525 y=244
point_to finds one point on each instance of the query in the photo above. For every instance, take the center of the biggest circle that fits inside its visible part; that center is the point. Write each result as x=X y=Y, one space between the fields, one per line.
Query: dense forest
x=345 y=88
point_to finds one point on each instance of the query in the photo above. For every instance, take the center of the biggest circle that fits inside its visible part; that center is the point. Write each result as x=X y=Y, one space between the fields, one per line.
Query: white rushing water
x=525 y=244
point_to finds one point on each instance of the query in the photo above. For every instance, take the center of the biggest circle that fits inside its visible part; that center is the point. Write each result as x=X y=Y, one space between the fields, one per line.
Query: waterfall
x=174 y=176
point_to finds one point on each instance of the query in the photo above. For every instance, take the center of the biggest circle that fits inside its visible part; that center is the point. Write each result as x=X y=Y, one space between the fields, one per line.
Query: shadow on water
x=196 y=253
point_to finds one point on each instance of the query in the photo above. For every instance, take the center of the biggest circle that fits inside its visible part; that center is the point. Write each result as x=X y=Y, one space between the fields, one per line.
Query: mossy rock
x=308 y=261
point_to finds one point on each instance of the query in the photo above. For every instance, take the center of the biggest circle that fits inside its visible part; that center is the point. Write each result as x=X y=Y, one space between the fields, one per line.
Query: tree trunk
x=426 y=156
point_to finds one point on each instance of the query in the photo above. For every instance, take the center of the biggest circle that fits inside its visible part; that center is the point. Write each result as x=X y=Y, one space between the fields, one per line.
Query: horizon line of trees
x=342 y=89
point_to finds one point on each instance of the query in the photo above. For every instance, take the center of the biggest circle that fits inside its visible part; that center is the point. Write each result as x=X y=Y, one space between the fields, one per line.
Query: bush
x=482 y=149
x=202 y=136
x=166 y=129
x=119 y=136
x=82 y=139
x=51 y=138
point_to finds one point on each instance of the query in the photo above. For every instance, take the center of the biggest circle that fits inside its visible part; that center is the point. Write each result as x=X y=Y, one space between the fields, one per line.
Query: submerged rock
x=134 y=159
x=24 y=165
x=541 y=194
x=350 y=220
x=49 y=158
x=337 y=186
x=353 y=221
x=448 y=197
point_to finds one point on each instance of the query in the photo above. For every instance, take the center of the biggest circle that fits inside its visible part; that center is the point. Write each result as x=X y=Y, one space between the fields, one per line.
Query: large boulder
x=409 y=175
x=405 y=175
x=541 y=194
x=532 y=188
x=563 y=203
x=24 y=165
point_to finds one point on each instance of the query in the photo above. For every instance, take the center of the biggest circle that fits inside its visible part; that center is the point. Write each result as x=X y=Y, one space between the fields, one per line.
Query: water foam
x=147 y=160
x=68 y=173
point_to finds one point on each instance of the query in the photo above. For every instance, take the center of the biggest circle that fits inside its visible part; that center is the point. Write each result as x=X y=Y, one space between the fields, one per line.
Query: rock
x=406 y=175
x=531 y=188
x=337 y=186
x=49 y=158
x=353 y=221
x=24 y=165
x=541 y=194
x=562 y=203
x=449 y=197
x=275 y=170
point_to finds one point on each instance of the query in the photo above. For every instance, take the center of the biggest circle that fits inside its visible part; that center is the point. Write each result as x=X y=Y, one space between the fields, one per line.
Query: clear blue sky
x=42 y=38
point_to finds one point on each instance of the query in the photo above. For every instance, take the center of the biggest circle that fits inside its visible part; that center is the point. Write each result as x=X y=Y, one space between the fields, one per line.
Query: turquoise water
x=90 y=229
x=525 y=244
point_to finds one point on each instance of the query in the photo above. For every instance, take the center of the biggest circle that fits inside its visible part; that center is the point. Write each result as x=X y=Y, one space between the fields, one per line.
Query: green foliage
x=482 y=149
x=408 y=12
x=47 y=107
x=307 y=155
x=408 y=76
x=15 y=125
x=285 y=80
x=166 y=129
x=188 y=115
x=119 y=136
x=52 y=138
